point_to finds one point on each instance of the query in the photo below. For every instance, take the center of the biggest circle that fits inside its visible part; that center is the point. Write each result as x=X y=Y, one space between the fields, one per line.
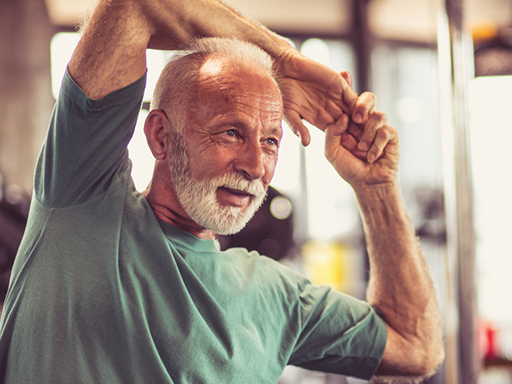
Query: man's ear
x=156 y=129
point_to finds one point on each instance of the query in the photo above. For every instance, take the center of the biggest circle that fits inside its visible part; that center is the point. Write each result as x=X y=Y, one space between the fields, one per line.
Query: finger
x=333 y=136
x=350 y=143
x=348 y=78
x=364 y=107
x=382 y=138
x=376 y=121
x=355 y=130
x=334 y=131
x=294 y=121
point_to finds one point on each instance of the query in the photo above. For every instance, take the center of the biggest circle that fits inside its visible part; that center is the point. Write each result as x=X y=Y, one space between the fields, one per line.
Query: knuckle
x=392 y=132
x=380 y=116
x=383 y=134
x=379 y=147
x=368 y=95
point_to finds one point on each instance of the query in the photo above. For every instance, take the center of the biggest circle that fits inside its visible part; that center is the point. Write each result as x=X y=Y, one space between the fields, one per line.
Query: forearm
x=111 y=53
x=177 y=22
x=400 y=284
x=393 y=249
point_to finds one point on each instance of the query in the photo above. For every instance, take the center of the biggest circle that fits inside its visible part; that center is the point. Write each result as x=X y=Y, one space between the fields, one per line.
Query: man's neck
x=167 y=208
x=169 y=216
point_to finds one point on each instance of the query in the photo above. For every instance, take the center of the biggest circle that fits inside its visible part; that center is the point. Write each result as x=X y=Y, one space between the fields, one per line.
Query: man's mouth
x=234 y=197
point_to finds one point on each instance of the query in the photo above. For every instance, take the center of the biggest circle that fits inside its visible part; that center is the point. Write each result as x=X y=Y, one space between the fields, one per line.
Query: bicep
x=111 y=53
x=340 y=334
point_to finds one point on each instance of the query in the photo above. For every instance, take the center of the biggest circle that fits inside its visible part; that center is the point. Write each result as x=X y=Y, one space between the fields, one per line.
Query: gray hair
x=174 y=91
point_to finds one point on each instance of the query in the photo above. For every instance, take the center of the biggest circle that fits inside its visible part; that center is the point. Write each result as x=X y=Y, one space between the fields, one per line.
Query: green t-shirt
x=104 y=292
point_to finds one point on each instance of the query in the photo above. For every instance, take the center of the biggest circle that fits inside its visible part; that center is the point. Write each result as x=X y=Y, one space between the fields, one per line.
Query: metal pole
x=361 y=44
x=462 y=364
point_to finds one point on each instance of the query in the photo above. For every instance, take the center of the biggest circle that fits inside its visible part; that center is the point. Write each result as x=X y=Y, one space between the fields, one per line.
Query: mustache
x=238 y=182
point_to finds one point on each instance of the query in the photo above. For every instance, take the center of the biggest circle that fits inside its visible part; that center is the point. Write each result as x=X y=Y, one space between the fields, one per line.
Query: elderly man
x=114 y=286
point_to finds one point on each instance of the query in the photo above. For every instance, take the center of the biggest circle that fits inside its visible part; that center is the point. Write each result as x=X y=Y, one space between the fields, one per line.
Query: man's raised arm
x=111 y=54
x=400 y=285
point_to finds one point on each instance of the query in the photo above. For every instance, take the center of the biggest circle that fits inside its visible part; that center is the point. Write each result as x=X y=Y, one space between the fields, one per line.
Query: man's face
x=223 y=162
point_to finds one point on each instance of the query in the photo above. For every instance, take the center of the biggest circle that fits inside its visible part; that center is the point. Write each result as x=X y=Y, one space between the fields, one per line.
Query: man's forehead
x=220 y=85
x=220 y=72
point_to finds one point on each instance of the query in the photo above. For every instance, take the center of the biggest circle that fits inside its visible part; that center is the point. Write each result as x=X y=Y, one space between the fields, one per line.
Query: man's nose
x=251 y=162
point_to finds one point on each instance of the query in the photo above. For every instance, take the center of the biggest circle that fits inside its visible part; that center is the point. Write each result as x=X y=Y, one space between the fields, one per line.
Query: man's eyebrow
x=277 y=131
x=245 y=125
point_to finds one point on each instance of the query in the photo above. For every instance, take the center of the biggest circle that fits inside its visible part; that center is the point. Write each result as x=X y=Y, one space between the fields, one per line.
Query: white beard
x=199 y=197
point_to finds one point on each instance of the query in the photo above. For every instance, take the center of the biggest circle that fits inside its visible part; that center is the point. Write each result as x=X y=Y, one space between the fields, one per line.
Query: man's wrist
x=285 y=63
x=378 y=193
x=368 y=189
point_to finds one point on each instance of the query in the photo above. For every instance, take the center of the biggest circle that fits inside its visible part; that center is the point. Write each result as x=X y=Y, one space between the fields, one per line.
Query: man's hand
x=365 y=154
x=314 y=92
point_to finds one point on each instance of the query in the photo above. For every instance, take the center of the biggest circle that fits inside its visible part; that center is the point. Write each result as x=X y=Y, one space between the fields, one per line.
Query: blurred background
x=442 y=72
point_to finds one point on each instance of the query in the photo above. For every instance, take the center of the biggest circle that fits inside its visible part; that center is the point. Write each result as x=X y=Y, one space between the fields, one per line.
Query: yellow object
x=332 y=264
x=483 y=31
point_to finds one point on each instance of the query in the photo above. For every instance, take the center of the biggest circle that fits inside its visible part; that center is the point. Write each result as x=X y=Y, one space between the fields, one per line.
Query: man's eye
x=272 y=142
x=232 y=133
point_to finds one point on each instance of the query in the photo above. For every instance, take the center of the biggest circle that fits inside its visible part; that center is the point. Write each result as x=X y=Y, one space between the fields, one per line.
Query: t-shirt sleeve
x=86 y=143
x=339 y=334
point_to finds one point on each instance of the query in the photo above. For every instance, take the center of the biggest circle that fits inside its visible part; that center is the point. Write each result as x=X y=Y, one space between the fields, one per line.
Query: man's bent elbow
x=424 y=366
x=413 y=357
x=430 y=353
x=426 y=358
x=429 y=361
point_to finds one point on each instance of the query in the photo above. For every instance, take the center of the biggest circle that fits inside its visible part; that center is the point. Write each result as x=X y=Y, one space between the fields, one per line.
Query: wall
x=25 y=97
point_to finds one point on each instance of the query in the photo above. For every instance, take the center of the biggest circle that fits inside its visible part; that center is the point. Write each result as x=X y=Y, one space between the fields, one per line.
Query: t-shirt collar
x=187 y=240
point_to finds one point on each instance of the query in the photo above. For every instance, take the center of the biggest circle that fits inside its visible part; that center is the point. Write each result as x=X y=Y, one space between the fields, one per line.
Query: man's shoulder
x=86 y=143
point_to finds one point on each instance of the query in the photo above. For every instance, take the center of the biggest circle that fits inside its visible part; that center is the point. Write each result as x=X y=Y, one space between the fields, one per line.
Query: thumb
x=348 y=96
